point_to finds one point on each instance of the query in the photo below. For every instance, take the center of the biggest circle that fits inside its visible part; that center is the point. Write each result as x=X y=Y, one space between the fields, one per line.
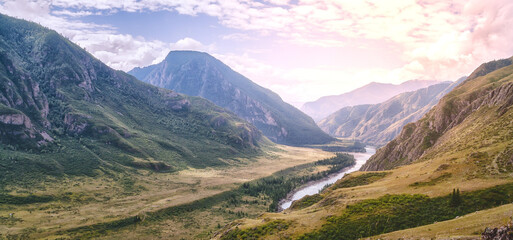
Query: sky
x=300 y=49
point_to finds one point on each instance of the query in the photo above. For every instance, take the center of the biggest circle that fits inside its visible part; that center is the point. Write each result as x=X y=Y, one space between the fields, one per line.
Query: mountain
x=472 y=118
x=64 y=112
x=377 y=124
x=371 y=93
x=199 y=74
x=448 y=175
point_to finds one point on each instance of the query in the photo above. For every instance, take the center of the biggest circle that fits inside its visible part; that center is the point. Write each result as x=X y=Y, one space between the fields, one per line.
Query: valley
x=470 y=153
x=172 y=120
x=317 y=186
x=84 y=201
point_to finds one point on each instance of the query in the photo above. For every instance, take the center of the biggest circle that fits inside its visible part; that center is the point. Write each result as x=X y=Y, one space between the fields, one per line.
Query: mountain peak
x=200 y=74
x=172 y=55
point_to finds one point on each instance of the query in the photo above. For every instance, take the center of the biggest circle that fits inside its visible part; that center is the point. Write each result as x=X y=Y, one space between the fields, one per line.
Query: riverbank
x=315 y=186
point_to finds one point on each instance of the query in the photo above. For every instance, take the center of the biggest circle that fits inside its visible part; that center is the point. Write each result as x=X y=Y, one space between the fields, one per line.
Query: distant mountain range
x=199 y=74
x=371 y=93
x=377 y=124
x=64 y=112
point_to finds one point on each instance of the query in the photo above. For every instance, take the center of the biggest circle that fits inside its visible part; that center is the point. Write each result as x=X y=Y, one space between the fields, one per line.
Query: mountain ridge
x=379 y=123
x=199 y=74
x=58 y=102
x=371 y=93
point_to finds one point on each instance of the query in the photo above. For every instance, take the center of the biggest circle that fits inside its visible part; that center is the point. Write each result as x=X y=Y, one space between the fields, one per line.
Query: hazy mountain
x=199 y=74
x=379 y=123
x=471 y=118
x=64 y=112
x=371 y=93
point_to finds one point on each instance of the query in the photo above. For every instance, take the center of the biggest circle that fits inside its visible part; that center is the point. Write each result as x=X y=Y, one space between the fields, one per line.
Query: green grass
x=17 y=200
x=260 y=232
x=363 y=179
x=341 y=146
x=433 y=181
x=395 y=212
x=306 y=201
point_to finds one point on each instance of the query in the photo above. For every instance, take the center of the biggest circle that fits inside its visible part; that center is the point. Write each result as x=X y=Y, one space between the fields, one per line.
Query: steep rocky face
x=58 y=102
x=379 y=123
x=484 y=97
x=20 y=95
x=371 y=93
x=199 y=74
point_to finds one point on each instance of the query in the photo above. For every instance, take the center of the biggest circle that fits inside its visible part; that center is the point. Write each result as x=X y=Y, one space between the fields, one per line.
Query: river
x=314 y=187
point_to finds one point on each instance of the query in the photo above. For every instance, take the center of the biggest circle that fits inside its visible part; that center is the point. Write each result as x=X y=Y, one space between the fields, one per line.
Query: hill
x=462 y=121
x=379 y=123
x=371 y=93
x=63 y=112
x=447 y=175
x=199 y=74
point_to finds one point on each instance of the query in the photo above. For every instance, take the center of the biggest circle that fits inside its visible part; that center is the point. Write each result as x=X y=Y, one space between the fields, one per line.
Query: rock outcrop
x=501 y=233
x=24 y=107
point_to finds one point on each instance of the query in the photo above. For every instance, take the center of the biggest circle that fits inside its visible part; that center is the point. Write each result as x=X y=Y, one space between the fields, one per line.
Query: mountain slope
x=457 y=121
x=64 y=112
x=379 y=123
x=199 y=74
x=371 y=93
x=441 y=171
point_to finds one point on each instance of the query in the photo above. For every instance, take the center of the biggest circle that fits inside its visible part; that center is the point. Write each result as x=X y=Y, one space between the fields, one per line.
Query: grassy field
x=83 y=201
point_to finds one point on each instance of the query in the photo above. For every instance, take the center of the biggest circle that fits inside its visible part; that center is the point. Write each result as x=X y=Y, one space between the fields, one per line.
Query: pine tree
x=455 y=198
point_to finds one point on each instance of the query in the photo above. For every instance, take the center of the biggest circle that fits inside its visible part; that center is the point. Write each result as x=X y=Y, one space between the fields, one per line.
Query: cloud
x=237 y=37
x=435 y=34
x=72 y=13
x=124 y=52
x=119 y=51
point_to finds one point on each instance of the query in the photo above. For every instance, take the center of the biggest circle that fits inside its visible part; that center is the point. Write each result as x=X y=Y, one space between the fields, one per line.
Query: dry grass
x=108 y=200
x=468 y=226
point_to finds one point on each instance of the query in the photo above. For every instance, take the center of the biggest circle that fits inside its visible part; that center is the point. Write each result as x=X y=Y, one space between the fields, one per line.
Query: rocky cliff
x=484 y=97
x=199 y=74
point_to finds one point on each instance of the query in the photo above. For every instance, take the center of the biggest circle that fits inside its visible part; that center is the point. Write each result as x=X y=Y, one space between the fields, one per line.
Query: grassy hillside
x=472 y=120
x=464 y=169
x=63 y=112
x=199 y=74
